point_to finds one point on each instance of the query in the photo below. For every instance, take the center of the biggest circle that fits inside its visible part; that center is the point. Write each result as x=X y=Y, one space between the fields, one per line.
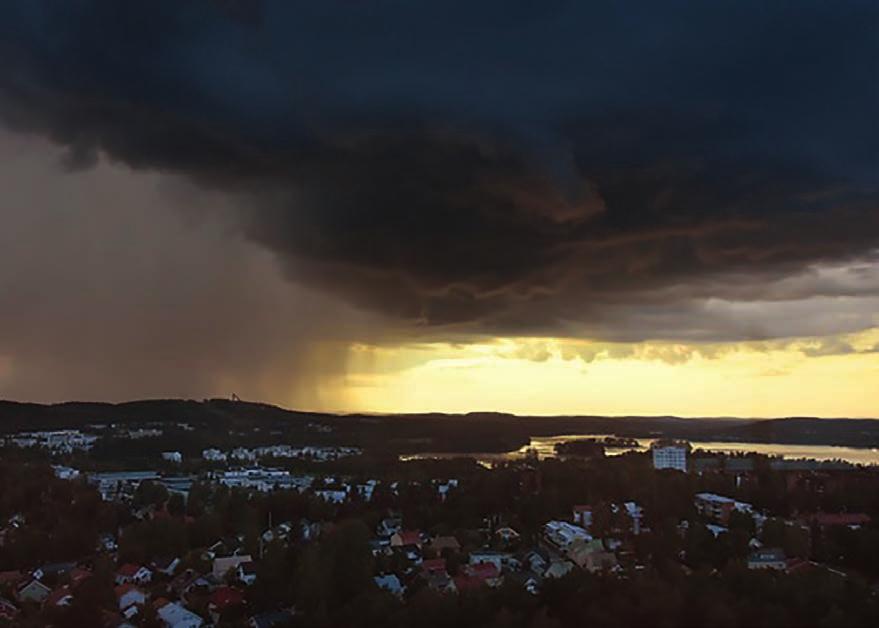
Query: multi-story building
x=635 y=514
x=718 y=507
x=768 y=558
x=264 y=479
x=65 y=473
x=582 y=515
x=562 y=534
x=144 y=432
x=311 y=452
x=58 y=441
x=214 y=455
x=670 y=456
x=172 y=456
x=117 y=485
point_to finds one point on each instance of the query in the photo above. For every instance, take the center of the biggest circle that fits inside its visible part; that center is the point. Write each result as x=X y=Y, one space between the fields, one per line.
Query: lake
x=545 y=447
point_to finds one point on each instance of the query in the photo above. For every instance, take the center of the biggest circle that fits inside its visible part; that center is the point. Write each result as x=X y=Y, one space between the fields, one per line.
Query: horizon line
x=378 y=413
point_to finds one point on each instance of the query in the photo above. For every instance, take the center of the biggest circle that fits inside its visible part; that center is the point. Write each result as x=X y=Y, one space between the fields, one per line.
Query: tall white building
x=670 y=457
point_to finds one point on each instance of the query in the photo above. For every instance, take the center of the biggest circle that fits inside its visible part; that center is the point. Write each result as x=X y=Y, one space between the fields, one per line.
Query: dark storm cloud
x=516 y=167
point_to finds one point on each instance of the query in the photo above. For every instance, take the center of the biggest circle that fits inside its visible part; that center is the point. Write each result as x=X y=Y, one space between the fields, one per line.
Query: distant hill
x=495 y=430
x=15 y=416
x=807 y=430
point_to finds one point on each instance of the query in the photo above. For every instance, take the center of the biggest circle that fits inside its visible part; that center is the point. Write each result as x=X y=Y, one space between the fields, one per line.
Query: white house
x=65 y=473
x=176 y=616
x=582 y=515
x=128 y=595
x=223 y=565
x=390 y=583
x=247 y=573
x=389 y=526
x=166 y=566
x=636 y=514
x=562 y=534
x=172 y=456
x=558 y=569
x=106 y=543
x=242 y=453
x=334 y=497
x=214 y=455
x=133 y=573
x=443 y=488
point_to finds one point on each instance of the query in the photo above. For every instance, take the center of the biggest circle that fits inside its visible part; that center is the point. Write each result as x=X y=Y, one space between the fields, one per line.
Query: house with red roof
x=130 y=572
x=128 y=596
x=61 y=596
x=406 y=537
x=478 y=575
x=223 y=598
x=440 y=543
x=79 y=575
x=463 y=582
x=160 y=602
x=486 y=571
x=433 y=566
x=8 y=610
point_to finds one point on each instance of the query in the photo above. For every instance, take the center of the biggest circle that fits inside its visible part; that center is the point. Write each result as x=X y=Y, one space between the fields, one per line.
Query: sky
x=547 y=207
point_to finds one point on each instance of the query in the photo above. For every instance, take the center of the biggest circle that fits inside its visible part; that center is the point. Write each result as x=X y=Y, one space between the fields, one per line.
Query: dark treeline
x=472 y=432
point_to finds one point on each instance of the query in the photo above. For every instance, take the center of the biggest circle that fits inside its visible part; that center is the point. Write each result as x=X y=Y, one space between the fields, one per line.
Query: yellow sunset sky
x=553 y=376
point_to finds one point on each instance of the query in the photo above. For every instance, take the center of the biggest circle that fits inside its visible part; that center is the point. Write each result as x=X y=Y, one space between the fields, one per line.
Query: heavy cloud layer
x=614 y=170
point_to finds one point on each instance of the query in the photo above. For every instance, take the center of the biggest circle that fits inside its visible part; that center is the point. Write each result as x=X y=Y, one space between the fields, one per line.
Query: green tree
x=742 y=521
x=176 y=505
x=149 y=492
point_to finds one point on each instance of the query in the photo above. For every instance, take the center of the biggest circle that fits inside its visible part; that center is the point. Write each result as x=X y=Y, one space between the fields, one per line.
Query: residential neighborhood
x=227 y=538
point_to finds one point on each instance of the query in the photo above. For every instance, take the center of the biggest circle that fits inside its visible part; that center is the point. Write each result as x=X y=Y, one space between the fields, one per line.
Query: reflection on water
x=544 y=446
